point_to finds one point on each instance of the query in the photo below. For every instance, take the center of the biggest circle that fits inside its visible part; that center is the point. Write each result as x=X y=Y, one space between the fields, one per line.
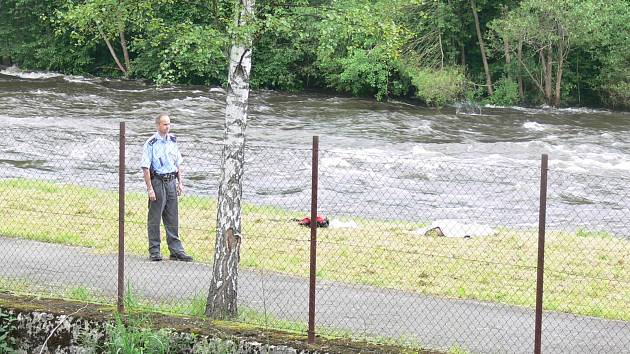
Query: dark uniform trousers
x=164 y=207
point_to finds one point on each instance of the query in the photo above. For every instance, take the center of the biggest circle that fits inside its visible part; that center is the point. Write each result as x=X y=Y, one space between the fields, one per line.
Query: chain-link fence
x=442 y=255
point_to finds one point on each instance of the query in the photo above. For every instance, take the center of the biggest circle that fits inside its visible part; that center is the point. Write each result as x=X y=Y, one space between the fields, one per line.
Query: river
x=391 y=160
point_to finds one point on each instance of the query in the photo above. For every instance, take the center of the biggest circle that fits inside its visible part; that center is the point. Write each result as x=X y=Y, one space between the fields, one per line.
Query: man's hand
x=180 y=188
x=151 y=194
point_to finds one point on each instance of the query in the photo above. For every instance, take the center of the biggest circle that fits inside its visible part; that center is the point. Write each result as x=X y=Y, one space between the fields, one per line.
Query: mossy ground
x=200 y=326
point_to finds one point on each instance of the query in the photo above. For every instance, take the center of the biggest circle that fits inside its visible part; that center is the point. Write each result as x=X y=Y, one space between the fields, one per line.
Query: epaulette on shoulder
x=152 y=141
x=173 y=138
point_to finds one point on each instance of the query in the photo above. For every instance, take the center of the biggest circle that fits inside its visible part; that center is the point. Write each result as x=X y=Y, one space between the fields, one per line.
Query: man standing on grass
x=161 y=167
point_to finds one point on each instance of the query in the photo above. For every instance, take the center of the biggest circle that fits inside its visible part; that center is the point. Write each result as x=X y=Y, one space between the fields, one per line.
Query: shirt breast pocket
x=159 y=159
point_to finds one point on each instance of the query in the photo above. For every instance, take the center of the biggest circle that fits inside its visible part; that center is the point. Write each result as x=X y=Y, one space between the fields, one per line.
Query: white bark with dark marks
x=222 y=295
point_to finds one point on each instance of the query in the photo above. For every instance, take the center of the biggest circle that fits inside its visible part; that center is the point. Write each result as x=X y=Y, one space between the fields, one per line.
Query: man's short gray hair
x=157 y=119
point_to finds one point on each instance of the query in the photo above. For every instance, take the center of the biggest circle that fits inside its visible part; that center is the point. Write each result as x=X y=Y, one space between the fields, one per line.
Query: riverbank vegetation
x=389 y=254
x=556 y=52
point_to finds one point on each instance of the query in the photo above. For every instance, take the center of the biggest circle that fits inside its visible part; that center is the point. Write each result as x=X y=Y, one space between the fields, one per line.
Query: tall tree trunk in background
x=549 y=79
x=561 y=54
x=506 y=46
x=519 y=78
x=441 y=51
x=482 y=47
x=223 y=291
x=438 y=13
x=462 y=49
x=506 y=53
x=123 y=44
x=556 y=96
x=112 y=52
x=545 y=61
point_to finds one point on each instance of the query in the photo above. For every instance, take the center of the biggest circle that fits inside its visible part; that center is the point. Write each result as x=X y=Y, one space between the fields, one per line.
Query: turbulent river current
x=389 y=160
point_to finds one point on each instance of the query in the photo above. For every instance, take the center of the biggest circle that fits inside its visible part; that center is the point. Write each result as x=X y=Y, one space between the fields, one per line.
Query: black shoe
x=156 y=257
x=180 y=257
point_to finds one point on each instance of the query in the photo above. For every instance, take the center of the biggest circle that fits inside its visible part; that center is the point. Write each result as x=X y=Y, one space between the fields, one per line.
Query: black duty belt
x=167 y=177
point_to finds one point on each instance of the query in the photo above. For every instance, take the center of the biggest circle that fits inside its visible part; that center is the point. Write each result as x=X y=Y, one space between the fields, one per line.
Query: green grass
x=13 y=285
x=587 y=271
x=79 y=293
x=196 y=307
x=137 y=335
x=259 y=320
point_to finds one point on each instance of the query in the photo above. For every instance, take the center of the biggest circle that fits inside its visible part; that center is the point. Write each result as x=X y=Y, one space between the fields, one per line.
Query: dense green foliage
x=7 y=330
x=137 y=334
x=559 y=52
x=29 y=38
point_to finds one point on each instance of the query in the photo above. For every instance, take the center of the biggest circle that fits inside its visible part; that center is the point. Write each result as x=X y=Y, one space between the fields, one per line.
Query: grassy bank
x=249 y=321
x=586 y=272
x=143 y=329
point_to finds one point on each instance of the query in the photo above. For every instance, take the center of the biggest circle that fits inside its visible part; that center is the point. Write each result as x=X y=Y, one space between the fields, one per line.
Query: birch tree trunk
x=223 y=291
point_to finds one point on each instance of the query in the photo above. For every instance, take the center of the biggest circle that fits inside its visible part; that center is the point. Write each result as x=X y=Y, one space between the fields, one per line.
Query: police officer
x=161 y=166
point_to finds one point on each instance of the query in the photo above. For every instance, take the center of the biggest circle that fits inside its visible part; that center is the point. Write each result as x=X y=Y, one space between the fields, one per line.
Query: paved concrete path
x=435 y=323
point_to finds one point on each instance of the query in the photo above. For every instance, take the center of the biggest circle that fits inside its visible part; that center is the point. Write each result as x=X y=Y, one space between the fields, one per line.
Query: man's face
x=164 y=125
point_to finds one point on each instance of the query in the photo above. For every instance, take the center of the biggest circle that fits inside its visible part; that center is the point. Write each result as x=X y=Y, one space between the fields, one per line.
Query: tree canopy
x=557 y=52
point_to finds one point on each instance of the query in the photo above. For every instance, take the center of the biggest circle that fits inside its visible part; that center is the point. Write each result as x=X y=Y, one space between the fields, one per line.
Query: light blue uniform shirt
x=161 y=154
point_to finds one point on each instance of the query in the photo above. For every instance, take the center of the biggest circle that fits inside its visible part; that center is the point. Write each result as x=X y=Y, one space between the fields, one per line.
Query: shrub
x=505 y=93
x=438 y=87
x=618 y=94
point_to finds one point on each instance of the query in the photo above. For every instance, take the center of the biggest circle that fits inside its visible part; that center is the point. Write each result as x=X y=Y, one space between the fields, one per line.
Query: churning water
x=379 y=159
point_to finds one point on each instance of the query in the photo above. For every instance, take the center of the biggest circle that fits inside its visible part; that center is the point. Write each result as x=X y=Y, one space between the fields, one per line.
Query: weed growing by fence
x=7 y=329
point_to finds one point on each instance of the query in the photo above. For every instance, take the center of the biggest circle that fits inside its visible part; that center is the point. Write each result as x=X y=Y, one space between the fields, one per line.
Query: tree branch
x=61 y=319
x=123 y=44
x=520 y=60
x=111 y=50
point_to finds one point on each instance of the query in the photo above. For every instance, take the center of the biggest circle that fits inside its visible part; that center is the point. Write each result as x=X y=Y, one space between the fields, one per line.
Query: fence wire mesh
x=443 y=255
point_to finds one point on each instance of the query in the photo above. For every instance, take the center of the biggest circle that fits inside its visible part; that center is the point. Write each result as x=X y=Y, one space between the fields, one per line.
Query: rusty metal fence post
x=313 y=248
x=541 y=253
x=121 y=219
